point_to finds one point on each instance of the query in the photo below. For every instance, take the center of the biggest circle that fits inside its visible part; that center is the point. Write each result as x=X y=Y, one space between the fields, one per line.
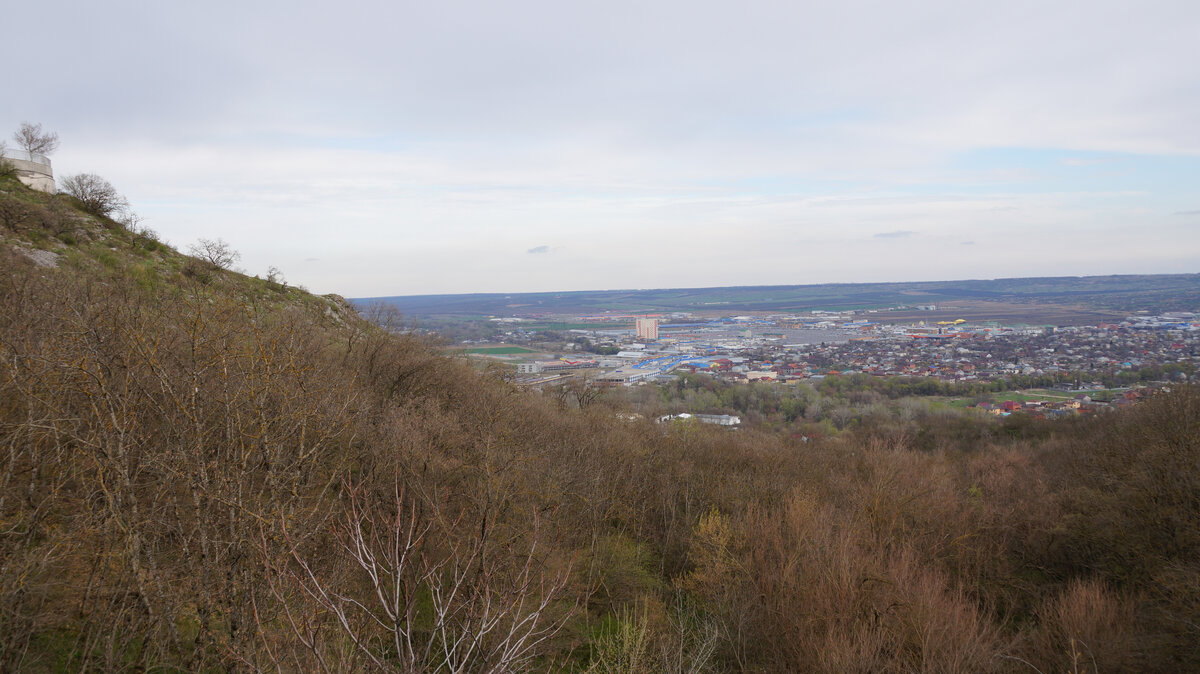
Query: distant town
x=628 y=350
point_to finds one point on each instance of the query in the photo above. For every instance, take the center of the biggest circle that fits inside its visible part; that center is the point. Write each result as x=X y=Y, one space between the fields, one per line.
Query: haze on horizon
x=376 y=149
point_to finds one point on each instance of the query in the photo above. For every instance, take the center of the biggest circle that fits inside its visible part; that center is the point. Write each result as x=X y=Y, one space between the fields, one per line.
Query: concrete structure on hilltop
x=647 y=328
x=33 y=169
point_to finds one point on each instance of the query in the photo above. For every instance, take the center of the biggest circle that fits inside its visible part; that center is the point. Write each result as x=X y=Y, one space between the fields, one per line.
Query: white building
x=647 y=328
x=623 y=377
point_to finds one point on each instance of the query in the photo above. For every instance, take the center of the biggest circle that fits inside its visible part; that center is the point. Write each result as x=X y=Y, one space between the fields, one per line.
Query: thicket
x=191 y=479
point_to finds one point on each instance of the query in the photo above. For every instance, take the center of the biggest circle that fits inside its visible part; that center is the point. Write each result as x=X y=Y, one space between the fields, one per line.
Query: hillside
x=58 y=232
x=201 y=471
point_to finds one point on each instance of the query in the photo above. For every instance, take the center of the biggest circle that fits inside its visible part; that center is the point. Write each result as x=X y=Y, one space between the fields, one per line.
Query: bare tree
x=131 y=221
x=216 y=252
x=33 y=140
x=275 y=277
x=429 y=595
x=97 y=195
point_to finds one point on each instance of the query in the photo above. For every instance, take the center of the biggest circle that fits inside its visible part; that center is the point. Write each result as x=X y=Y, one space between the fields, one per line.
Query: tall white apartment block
x=647 y=328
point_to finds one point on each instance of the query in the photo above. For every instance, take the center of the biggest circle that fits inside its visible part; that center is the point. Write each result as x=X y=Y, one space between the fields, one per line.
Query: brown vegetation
x=193 y=477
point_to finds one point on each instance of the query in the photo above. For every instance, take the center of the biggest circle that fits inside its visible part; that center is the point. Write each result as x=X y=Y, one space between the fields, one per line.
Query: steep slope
x=56 y=231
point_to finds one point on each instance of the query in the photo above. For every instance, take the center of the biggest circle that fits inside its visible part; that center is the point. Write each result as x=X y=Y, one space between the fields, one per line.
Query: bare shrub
x=424 y=598
x=1014 y=514
x=1172 y=617
x=216 y=252
x=627 y=648
x=197 y=271
x=131 y=221
x=95 y=194
x=13 y=214
x=1086 y=628
x=1127 y=489
x=275 y=279
x=144 y=444
x=810 y=587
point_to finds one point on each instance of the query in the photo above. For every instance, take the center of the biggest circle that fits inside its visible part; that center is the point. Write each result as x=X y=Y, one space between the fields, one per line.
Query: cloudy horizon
x=375 y=149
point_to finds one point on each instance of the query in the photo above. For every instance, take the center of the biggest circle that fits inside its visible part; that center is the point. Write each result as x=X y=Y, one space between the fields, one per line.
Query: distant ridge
x=1152 y=292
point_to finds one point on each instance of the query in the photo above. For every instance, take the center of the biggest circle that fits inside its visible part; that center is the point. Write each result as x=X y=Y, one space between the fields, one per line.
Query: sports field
x=499 y=350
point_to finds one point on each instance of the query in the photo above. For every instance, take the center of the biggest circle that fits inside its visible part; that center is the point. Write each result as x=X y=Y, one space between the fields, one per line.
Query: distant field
x=1003 y=397
x=999 y=398
x=959 y=403
x=1008 y=313
x=499 y=350
x=1058 y=300
x=1050 y=395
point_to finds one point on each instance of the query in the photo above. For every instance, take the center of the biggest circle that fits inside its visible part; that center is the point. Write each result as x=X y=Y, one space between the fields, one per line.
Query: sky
x=397 y=148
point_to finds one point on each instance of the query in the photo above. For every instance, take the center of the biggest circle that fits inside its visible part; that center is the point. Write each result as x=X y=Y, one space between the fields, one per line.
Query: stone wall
x=33 y=170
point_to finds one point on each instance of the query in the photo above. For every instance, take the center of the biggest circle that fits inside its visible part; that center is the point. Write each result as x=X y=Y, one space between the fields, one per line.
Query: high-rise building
x=647 y=328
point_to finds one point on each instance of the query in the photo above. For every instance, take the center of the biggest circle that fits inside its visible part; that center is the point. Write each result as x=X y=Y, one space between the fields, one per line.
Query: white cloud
x=662 y=142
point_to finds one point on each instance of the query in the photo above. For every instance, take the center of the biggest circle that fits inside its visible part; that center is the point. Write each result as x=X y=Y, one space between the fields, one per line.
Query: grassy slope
x=93 y=245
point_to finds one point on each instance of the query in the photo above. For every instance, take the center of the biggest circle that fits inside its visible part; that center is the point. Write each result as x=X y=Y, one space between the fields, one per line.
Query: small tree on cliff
x=33 y=140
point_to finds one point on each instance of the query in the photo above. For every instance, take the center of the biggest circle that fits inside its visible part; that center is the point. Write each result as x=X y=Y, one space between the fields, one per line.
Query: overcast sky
x=436 y=147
